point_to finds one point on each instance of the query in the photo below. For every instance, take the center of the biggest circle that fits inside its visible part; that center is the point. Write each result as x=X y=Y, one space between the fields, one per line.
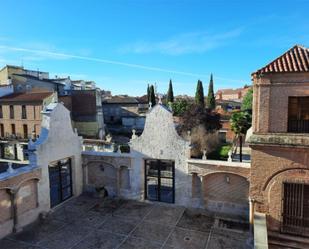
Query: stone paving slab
x=89 y=223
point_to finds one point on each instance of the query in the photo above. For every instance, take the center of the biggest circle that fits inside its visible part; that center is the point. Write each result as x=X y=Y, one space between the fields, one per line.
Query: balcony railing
x=298 y=126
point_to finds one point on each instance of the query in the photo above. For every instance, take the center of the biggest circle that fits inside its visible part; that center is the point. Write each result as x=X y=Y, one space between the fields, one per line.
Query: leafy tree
x=170 y=93
x=196 y=115
x=148 y=93
x=152 y=96
x=247 y=101
x=240 y=123
x=211 y=101
x=179 y=107
x=199 y=94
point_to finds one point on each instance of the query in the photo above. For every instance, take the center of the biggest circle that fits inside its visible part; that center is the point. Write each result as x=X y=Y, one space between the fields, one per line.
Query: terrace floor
x=89 y=223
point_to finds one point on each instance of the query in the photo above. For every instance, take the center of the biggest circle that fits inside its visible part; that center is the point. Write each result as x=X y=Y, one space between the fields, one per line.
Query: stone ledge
x=280 y=139
x=219 y=163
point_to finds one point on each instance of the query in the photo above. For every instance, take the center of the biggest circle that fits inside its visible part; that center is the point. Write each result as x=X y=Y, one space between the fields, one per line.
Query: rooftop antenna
x=155 y=88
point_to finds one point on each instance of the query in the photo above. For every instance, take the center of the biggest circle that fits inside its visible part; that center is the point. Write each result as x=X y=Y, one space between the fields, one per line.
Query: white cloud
x=195 y=42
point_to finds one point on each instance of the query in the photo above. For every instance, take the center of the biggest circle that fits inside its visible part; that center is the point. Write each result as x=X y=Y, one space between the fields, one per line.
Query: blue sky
x=123 y=45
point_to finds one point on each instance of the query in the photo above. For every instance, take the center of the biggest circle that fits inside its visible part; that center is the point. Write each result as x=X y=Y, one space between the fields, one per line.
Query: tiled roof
x=294 y=60
x=120 y=100
x=25 y=97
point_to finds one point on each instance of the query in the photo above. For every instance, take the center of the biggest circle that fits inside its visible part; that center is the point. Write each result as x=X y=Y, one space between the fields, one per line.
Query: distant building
x=20 y=119
x=86 y=111
x=232 y=94
x=125 y=111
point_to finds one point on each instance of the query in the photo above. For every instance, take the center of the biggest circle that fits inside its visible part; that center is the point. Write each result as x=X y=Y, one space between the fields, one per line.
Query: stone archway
x=226 y=192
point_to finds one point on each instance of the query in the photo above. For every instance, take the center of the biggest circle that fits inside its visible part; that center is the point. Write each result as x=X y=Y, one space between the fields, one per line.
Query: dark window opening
x=1 y=130
x=13 y=129
x=295 y=208
x=60 y=178
x=160 y=180
x=23 y=112
x=25 y=128
x=1 y=112
x=11 y=111
x=298 y=115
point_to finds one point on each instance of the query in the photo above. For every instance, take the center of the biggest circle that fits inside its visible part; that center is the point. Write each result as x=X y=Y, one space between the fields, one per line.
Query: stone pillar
x=13 y=193
x=202 y=189
x=251 y=213
x=118 y=181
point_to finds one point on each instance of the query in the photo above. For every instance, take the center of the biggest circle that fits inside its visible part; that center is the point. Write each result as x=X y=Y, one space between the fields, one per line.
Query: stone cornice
x=280 y=139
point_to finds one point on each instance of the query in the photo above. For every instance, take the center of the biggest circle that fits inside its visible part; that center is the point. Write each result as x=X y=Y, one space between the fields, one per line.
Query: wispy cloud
x=57 y=55
x=194 y=42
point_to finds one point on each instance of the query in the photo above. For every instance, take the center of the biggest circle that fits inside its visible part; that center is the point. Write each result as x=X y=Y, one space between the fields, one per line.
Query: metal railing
x=298 y=126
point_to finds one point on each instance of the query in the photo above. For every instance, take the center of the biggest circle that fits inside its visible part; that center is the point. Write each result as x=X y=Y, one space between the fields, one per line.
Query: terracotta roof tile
x=25 y=97
x=294 y=60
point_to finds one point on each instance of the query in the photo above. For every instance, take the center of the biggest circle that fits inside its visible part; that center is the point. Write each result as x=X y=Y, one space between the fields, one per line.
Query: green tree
x=211 y=101
x=152 y=96
x=199 y=94
x=170 y=93
x=240 y=123
x=148 y=93
x=180 y=106
x=247 y=101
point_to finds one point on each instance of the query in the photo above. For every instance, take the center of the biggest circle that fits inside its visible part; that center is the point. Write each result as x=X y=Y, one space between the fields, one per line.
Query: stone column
x=251 y=213
x=13 y=193
x=202 y=189
x=118 y=181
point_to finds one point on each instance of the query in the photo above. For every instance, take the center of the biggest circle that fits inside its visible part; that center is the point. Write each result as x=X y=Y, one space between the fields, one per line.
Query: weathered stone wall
x=220 y=186
x=160 y=140
x=57 y=141
x=18 y=199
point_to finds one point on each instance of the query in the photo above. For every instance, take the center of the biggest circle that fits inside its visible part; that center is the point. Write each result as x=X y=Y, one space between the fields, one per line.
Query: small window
x=1 y=112
x=11 y=111
x=25 y=128
x=23 y=112
x=13 y=129
x=1 y=130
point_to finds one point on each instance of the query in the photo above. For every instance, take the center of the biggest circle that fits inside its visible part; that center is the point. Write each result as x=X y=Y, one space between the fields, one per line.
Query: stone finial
x=160 y=99
x=10 y=168
x=108 y=138
x=133 y=134
x=230 y=156
x=33 y=136
x=150 y=105
x=118 y=149
x=204 y=157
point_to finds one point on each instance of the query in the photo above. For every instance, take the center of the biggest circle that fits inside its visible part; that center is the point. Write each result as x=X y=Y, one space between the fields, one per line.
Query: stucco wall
x=160 y=140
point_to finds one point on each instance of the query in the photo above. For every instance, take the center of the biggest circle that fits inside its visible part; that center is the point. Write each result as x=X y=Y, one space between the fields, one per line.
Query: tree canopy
x=211 y=101
x=148 y=93
x=170 y=93
x=152 y=96
x=240 y=122
x=179 y=107
x=247 y=101
x=199 y=94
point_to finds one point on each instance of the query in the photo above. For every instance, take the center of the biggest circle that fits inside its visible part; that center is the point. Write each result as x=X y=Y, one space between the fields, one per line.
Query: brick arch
x=226 y=195
x=276 y=174
x=273 y=192
x=26 y=180
x=227 y=172
x=94 y=162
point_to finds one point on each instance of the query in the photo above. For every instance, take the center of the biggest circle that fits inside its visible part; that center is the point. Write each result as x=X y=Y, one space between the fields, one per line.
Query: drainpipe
x=12 y=193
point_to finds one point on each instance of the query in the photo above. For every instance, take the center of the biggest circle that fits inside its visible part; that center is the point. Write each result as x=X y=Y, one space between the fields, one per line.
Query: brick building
x=232 y=94
x=20 y=116
x=279 y=182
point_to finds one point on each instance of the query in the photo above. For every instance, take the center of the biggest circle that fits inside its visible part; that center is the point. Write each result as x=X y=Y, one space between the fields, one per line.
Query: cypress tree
x=211 y=101
x=199 y=94
x=170 y=93
x=148 y=93
x=152 y=96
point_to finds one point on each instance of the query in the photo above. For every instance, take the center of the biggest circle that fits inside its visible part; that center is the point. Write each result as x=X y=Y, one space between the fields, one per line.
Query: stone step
x=278 y=240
